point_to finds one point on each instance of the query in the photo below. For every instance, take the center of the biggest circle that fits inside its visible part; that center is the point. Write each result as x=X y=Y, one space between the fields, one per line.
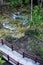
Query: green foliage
x=36 y=15
x=9 y=38
x=2 y=17
x=41 y=51
x=32 y=32
x=16 y=3
x=31 y=23
x=37 y=18
x=1 y=61
x=37 y=49
x=27 y=1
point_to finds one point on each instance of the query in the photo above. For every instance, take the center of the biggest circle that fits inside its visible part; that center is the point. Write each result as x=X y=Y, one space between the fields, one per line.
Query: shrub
x=37 y=49
x=9 y=38
x=31 y=32
x=16 y=3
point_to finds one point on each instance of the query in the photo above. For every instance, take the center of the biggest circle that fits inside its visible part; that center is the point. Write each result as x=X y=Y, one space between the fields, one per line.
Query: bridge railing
x=10 y=59
x=35 y=58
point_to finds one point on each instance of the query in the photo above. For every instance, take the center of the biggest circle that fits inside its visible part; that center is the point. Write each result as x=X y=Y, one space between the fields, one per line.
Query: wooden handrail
x=35 y=58
x=11 y=59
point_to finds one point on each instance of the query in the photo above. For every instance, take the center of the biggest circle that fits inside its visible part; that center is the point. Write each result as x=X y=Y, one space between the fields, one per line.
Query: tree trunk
x=31 y=8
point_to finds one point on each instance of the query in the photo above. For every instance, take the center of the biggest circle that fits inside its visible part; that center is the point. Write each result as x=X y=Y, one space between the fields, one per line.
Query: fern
x=27 y=1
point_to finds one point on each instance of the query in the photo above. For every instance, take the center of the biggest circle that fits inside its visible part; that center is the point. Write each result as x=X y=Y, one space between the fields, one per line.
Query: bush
x=37 y=49
x=31 y=32
x=9 y=38
x=16 y=3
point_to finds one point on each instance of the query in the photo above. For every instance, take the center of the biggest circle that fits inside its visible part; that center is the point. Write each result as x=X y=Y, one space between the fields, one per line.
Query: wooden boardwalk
x=23 y=54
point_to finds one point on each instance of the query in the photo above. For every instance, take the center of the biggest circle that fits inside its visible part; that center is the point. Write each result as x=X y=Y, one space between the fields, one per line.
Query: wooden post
x=17 y=63
x=31 y=10
x=2 y=41
x=23 y=54
x=12 y=47
x=8 y=57
x=35 y=59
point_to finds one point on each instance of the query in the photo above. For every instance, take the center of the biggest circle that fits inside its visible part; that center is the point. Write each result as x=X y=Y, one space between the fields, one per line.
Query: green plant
x=1 y=61
x=9 y=38
x=36 y=15
x=37 y=18
x=37 y=49
x=34 y=32
x=16 y=3
x=27 y=1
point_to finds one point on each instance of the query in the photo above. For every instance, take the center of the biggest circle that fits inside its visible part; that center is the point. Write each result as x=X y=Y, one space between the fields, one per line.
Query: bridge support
x=18 y=63
x=35 y=59
x=8 y=57
x=23 y=55
x=12 y=47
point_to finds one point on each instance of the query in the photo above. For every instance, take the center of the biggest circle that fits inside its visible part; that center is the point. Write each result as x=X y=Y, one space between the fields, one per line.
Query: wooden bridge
x=12 y=47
